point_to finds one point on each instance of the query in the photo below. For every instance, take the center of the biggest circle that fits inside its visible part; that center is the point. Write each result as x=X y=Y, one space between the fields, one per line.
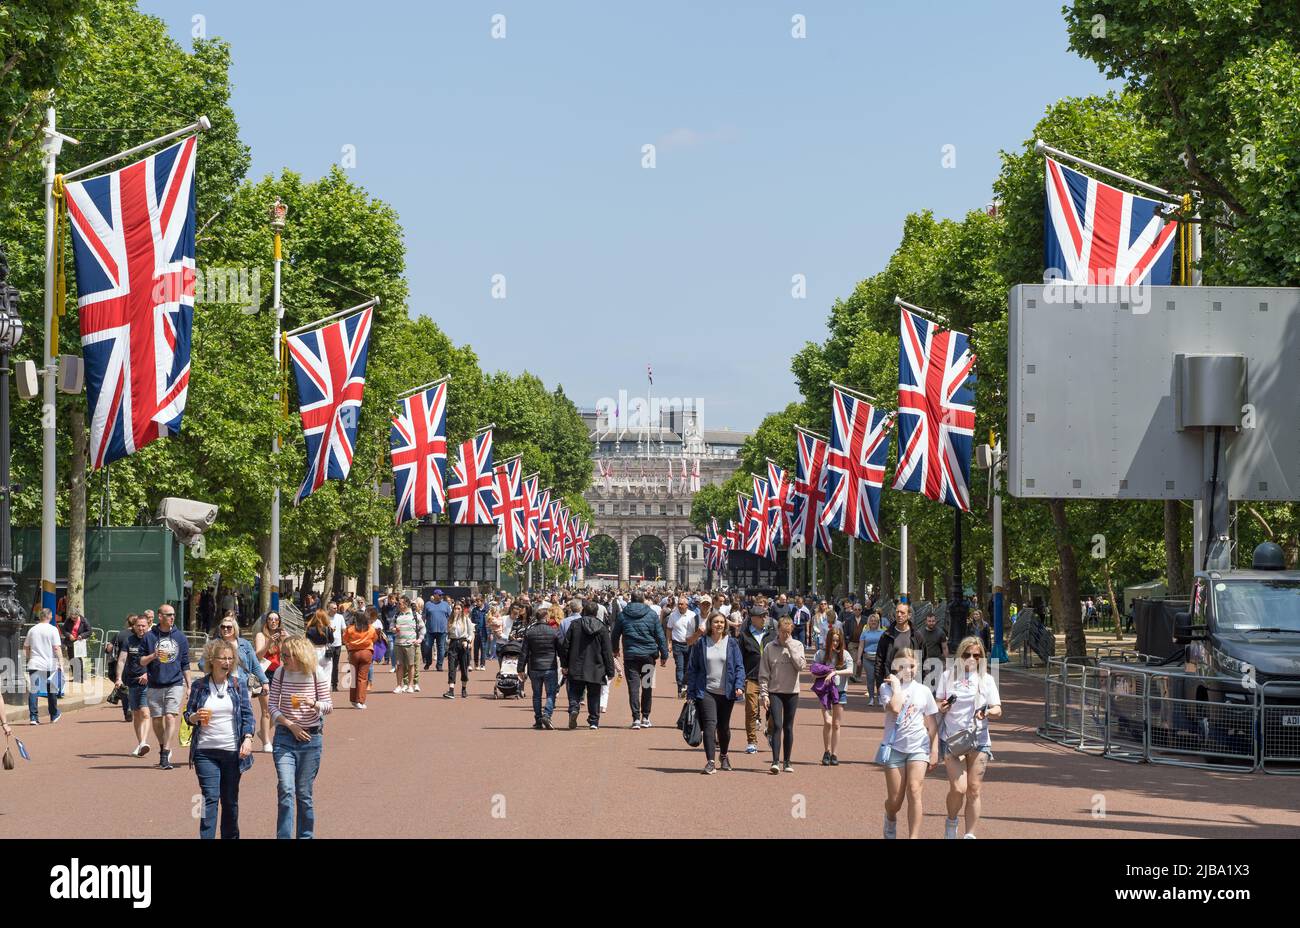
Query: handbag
x=690 y=724
x=9 y=757
x=966 y=740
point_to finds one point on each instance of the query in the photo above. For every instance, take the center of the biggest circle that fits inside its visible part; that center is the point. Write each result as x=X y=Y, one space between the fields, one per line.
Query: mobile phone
x=950 y=700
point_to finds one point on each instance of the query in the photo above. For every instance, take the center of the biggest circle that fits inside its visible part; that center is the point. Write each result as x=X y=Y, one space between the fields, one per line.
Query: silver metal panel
x=1092 y=387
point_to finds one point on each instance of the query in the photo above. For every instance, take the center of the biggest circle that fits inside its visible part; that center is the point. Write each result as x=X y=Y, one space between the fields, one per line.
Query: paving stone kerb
x=476 y=768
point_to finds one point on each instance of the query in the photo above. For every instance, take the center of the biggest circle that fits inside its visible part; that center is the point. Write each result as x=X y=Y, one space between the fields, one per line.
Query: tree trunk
x=981 y=585
x=913 y=578
x=1114 y=605
x=331 y=561
x=1076 y=645
x=195 y=593
x=399 y=571
x=264 y=597
x=886 y=576
x=1174 y=548
x=77 y=518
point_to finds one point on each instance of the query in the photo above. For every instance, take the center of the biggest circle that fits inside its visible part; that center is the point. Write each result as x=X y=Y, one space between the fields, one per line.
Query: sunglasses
x=976 y=654
x=227 y=628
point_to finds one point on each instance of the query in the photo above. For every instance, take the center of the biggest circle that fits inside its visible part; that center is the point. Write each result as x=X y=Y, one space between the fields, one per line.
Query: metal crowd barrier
x=1129 y=707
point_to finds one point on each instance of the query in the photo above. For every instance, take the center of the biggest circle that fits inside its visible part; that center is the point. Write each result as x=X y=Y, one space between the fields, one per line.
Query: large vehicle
x=1241 y=634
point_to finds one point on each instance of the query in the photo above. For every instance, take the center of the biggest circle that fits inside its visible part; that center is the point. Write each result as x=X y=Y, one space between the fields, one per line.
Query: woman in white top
x=968 y=698
x=838 y=656
x=911 y=741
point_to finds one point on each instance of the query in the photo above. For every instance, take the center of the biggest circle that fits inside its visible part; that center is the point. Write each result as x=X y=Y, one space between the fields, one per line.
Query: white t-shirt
x=725 y=609
x=969 y=698
x=906 y=731
x=219 y=733
x=337 y=624
x=44 y=641
x=839 y=675
x=682 y=624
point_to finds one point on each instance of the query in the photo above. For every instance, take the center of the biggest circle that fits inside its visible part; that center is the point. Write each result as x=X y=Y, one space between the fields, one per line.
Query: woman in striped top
x=300 y=699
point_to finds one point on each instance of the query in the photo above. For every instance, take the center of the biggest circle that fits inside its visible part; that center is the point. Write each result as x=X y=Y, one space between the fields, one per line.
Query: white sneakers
x=969 y=835
x=267 y=748
x=950 y=828
x=141 y=750
x=358 y=705
x=414 y=689
x=891 y=828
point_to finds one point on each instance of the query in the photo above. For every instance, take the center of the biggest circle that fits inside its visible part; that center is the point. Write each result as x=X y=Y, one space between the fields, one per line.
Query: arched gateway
x=640 y=487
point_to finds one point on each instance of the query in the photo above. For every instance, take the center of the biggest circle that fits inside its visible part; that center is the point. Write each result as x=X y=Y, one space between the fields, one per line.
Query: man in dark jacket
x=640 y=632
x=588 y=661
x=539 y=660
x=902 y=634
x=754 y=636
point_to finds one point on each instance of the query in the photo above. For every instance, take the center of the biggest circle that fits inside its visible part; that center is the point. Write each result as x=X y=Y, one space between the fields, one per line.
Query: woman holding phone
x=715 y=679
x=266 y=644
x=968 y=698
x=221 y=749
x=836 y=655
x=910 y=746
x=778 y=687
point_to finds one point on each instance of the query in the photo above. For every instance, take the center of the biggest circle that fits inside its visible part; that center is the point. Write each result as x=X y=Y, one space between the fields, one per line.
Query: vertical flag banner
x=133 y=249
x=417 y=444
x=758 y=537
x=808 y=496
x=1098 y=234
x=779 y=503
x=329 y=365
x=470 y=492
x=542 y=545
x=508 y=503
x=695 y=477
x=936 y=411
x=560 y=541
x=532 y=517
x=733 y=536
x=855 y=466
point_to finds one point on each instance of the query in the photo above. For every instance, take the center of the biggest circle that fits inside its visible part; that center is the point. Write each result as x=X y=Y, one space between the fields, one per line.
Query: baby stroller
x=508 y=683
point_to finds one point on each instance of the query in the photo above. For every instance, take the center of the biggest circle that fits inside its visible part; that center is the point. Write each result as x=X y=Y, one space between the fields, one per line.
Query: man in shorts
x=166 y=659
x=136 y=680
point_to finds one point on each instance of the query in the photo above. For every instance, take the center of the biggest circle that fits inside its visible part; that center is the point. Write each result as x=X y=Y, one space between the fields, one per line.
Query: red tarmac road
x=421 y=766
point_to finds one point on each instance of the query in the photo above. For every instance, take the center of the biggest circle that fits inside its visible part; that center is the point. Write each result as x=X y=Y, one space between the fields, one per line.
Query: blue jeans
x=550 y=679
x=218 y=773
x=41 y=680
x=296 y=764
x=680 y=655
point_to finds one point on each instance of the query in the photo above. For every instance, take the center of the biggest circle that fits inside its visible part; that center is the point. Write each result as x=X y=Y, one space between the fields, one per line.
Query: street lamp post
x=278 y=212
x=11 y=610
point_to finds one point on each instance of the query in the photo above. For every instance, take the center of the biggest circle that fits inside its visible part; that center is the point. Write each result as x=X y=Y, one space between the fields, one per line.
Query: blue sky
x=522 y=157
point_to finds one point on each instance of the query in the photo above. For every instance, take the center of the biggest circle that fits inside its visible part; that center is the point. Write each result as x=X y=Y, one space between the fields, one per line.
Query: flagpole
x=373 y=301
x=278 y=213
x=852 y=583
x=49 y=600
x=902 y=564
x=928 y=314
x=1042 y=148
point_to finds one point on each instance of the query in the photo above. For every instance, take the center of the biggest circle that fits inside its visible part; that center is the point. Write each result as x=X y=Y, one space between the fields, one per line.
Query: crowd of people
x=270 y=693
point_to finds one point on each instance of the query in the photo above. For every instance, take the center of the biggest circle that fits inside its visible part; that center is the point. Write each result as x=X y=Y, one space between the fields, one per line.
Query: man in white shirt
x=337 y=624
x=682 y=625
x=43 y=656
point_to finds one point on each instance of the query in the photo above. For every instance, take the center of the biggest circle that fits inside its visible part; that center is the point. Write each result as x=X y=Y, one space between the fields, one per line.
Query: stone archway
x=690 y=561
x=604 y=555
x=648 y=557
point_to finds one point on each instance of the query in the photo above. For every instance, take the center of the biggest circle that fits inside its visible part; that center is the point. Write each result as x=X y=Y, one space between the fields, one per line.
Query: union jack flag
x=541 y=548
x=1098 y=234
x=779 y=503
x=717 y=546
x=573 y=556
x=758 y=535
x=936 y=411
x=418 y=446
x=133 y=249
x=855 y=466
x=561 y=541
x=532 y=516
x=733 y=536
x=329 y=365
x=508 y=503
x=470 y=492
x=808 y=497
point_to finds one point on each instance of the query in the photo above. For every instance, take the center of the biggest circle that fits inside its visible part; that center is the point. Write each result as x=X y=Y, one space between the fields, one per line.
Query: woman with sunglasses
x=266 y=643
x=968 y=698
x=221 y=749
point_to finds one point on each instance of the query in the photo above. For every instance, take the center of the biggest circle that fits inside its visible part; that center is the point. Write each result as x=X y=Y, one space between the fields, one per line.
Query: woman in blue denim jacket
x=221 y=748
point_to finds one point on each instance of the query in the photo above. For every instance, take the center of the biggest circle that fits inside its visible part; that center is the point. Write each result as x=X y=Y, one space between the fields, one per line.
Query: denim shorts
x=983 y=749
x=899 y=759
x=137 y=697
